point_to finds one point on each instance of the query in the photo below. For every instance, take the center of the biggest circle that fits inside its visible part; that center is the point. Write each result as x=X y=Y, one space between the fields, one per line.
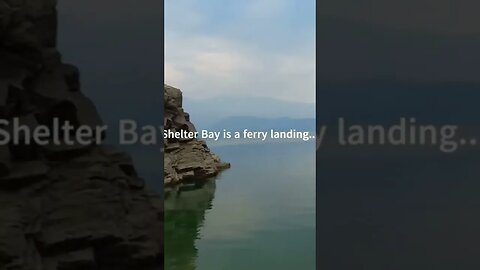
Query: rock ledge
x=186 y=160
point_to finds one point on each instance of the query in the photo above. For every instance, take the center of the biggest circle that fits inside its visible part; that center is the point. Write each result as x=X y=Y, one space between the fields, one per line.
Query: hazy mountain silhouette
x=385 y=100
x=238 y=123
x=205 y=113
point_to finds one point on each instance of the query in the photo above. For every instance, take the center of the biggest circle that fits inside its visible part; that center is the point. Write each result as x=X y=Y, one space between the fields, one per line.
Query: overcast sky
x=241 y=48
x=453 y=17
x=414 y=40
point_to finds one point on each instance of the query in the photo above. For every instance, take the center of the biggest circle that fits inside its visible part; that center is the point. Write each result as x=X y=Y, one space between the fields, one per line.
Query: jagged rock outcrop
x=63 y=206
x=185 y=159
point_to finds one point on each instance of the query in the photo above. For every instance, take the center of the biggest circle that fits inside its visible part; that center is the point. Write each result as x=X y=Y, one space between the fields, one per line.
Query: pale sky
x=414 y=40
x=241 y=48
x=444 y=17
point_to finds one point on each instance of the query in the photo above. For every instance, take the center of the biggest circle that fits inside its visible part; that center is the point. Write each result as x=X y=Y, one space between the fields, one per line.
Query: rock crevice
x=63 y=206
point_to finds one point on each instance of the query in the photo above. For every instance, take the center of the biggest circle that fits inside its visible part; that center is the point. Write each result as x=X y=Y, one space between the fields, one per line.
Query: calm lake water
x=383 y=210
x=260 y=214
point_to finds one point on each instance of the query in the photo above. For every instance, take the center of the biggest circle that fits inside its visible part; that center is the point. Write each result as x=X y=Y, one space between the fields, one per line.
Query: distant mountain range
x=210 y=112
x=375 y=73
x=385 y=100
x=239 y=123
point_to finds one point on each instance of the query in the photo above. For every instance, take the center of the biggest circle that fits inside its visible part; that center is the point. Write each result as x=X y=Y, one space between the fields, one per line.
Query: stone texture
x=185 y=160
x=64 y=207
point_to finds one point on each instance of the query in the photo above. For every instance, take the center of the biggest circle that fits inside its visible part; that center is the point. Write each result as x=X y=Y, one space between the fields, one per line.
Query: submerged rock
x=186 y=159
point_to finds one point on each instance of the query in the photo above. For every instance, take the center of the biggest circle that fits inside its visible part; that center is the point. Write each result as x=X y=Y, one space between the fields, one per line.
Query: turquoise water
x=260 y=214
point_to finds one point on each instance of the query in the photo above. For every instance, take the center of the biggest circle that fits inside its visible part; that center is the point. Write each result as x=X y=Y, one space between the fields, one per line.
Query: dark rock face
x=185 y=159
x=64 y=206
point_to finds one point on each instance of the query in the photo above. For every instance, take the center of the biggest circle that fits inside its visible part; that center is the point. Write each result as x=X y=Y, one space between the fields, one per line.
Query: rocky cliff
x=63 y=206
x=186 y=160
